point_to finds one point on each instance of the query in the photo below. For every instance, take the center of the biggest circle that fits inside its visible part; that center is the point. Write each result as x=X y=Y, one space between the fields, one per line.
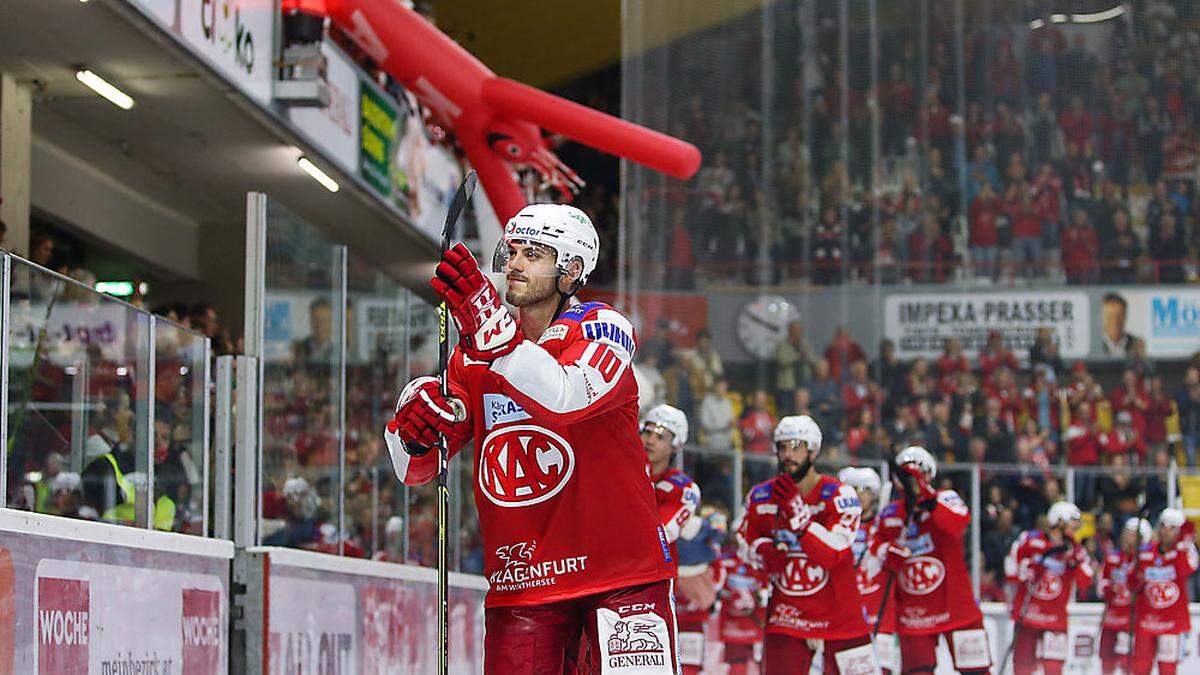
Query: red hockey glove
x=925 y=491
x=774 y=558
x=422 y=415
x=792 y=508
x=895 y=557
x=486 y=330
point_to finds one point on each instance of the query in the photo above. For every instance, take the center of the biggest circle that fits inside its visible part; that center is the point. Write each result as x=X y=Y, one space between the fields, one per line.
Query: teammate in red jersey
x=1112 y=587
x=798 y=528
x=664 y=431
x=870 y=553
x=1048 y=566
x=743 y=598
x=924 y=529
x=1160 y=585
x=574 y=549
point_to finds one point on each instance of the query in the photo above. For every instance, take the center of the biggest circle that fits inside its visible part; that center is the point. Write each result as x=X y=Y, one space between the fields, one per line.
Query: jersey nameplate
x=603 y=331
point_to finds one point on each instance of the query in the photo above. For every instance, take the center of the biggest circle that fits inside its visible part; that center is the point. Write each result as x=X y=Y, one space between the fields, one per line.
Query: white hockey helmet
x=915 y=454
x=1171 y=518
x=395 y=525
x=1061 y=513
x=1141 y=526
x=863 y=478
x=668 y=418
x=796 y=428
x=563 y=228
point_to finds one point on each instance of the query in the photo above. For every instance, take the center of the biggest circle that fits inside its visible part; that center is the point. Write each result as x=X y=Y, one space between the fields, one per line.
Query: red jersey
x=1162 y=603
x=816 y=595
x=870 y=551
x=678 y=498
x=1113 y=588
x=1051 y=576
x=742 y=616
x=565 y=507
x=933 y=589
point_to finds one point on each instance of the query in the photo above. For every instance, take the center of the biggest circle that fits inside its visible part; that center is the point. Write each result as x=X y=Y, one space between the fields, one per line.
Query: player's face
x=1129 y=539
x=658 y=443
x=530 y=274
x=1071 y=527
x=867 y=498
x=794 y=458
x=1168 y=535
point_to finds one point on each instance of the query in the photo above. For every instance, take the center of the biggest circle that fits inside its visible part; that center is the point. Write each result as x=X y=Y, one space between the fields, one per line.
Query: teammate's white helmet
x=860 y=479
x=1062 y=513
x=395 y=525
x=1171 y=518
x=915 y=454
x=671 y=419
x=799 y=428
x=563 y=228
x=1141 y=526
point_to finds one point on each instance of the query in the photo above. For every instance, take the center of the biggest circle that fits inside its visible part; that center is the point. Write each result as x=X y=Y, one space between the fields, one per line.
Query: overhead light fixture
x=105 y=89
x=1058 y=18
x=1097 y=17
x=318 y=175
x=1036 y=24
x=120 y=289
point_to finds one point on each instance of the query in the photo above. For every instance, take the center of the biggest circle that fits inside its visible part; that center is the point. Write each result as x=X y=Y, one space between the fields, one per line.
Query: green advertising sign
x=377 y=134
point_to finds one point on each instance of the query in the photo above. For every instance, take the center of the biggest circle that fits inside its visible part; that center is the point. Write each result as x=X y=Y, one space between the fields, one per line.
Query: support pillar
x=16 y=134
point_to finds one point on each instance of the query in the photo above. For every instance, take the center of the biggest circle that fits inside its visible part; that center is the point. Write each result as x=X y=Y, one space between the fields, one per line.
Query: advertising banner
x=920 y=323
x=377 y=135
x=334 y=129
x=1167 y=319
x=235 y=37
x=380 y=618
x=75 y=605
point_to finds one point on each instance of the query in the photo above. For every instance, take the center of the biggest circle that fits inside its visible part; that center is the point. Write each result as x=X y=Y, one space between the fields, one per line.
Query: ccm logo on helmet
x=523 y=465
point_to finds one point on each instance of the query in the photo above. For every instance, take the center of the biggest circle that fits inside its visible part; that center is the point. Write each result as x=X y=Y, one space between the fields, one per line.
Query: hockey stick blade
x=461 y=197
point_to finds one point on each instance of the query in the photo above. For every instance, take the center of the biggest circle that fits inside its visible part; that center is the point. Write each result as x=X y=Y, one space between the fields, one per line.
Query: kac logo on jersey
x=500 y=409
x=802 y=577
x=1162 y=594
x=524 y=465
x=922 y=575
x=1048 y=587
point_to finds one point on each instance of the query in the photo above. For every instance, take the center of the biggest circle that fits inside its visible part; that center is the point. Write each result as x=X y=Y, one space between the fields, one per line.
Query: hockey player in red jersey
x=742 y=616
x=924 y=529
x=1048 y=567
x=1160 y=586
x=798 y=528
x=574 y=549
x=1112 y=587
x=870 y=554
x=664 y=431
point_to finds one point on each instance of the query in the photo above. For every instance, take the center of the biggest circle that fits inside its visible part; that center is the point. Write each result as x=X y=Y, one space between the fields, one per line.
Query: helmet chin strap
x=563 y=298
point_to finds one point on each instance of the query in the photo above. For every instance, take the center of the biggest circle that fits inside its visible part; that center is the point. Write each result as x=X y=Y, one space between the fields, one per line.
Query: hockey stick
x=461 y=197
x=1142 y=513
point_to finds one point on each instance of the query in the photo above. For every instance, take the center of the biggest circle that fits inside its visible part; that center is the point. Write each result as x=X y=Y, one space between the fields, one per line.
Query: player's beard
x=534 y=290
x=797 y=470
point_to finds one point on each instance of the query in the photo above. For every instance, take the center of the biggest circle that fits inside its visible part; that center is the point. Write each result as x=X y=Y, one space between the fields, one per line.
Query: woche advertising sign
x=920 y=323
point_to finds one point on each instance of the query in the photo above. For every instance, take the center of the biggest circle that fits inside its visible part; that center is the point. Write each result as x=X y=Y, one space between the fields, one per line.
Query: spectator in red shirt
x=842 y=351
x=984 y=235
x=995 y=355
x=1161 y=407
x=1083 y=387
x=859 y=393
x=1079 y=248
x=1026 y=230
x=1077 y=125
x=1123 y=440
x=929 y=251
x=757 y=425
x=952 y=361
x=1082 y=447
x=1131 y=397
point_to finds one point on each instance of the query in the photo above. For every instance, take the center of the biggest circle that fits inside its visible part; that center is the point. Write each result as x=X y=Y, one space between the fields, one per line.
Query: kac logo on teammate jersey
x=802 y=577
x=523 y=465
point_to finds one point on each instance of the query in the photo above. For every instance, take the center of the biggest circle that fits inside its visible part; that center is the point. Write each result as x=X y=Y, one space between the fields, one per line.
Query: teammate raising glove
x=792 y=508
x=924 y=492
x=486 y=330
